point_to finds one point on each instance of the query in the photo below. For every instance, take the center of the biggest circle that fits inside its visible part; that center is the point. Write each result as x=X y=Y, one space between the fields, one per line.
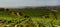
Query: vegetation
x=29 y=17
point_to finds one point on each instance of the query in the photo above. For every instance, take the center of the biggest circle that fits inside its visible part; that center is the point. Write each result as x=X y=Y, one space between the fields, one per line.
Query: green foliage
x=35 y=16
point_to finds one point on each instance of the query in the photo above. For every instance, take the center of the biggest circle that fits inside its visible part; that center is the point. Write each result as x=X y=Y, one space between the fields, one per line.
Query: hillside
x=30 y=17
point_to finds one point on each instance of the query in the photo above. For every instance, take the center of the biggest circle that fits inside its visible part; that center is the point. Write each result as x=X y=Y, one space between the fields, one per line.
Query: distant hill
x=37 y=7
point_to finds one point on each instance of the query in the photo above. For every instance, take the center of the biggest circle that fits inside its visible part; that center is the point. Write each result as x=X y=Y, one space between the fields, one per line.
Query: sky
x=22 y=3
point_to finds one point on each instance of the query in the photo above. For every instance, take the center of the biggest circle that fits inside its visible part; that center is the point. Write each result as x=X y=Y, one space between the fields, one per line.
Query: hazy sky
x=19 y=3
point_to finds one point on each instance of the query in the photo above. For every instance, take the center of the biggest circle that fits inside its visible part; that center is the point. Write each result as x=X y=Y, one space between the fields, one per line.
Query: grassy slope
x=34 y=16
